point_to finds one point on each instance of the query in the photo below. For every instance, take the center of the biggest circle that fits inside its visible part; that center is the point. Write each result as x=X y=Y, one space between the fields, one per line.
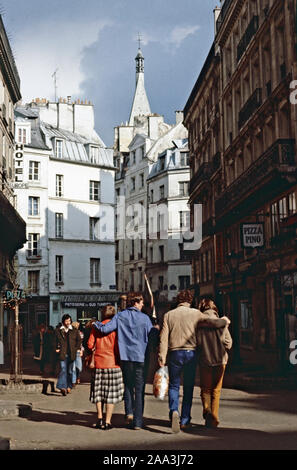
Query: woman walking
x=213 y=357
x=107 y=381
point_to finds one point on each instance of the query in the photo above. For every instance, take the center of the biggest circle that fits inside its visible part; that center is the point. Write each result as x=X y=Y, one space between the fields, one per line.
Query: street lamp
x=233 y=263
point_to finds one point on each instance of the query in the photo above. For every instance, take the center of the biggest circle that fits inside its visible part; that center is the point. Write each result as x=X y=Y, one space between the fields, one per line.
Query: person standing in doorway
x=68 y=342
x=178 y=344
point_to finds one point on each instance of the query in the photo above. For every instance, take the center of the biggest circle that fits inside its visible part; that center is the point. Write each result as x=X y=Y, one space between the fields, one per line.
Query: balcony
x=266 y=170
x=252 y=104
x=33 y=254
x=248 y=36
x=203 y=174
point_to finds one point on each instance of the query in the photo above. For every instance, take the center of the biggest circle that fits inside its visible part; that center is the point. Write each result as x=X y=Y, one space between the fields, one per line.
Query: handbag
x=90 y=360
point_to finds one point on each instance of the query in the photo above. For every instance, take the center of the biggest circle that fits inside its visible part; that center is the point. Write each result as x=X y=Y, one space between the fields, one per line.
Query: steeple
x=140 y=104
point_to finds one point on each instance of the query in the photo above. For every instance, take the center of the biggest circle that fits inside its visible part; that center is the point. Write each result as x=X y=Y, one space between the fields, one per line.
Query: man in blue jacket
x=133 y=328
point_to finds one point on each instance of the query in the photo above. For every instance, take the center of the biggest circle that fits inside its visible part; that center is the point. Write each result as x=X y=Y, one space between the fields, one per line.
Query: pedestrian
x=178 y=344
x=133 y=328
x=213 y=357
x=107 y=381
x=49 y=350
x=77 y=365
x=38 y=346
x=86 y=333
x=68 y=342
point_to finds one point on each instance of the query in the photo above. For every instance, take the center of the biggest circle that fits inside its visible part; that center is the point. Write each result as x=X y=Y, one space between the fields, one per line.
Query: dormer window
x=162 y=163
x=59 y=148
x=22 y=135
x=94 y=154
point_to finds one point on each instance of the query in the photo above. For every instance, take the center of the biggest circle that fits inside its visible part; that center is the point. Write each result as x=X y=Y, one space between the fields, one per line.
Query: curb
x=11 y=409
x=4 y=443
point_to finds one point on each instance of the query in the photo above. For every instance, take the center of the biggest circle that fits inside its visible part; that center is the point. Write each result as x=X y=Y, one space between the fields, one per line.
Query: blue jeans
x=181 y=361
x=66 y=372
x=133 y=375
x=77 y=367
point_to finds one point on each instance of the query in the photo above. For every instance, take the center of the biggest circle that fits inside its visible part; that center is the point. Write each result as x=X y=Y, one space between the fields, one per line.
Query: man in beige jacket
x=178 y=340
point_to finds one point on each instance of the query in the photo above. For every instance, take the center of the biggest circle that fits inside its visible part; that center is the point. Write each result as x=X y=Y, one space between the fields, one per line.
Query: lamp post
x=232 y=263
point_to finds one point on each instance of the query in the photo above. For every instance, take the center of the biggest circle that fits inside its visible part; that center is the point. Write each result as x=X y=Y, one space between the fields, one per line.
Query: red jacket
x=107 y=350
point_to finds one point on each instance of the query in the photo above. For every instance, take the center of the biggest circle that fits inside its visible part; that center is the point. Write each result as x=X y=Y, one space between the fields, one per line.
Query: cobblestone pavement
x=248 y=421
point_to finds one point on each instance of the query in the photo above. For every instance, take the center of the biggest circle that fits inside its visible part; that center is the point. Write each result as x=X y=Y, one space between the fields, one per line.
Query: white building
x=66 y=197
x=168 y=264
x=137 y=145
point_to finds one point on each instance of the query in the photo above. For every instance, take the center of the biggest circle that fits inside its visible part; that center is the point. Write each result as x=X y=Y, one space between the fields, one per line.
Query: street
x=262 y=421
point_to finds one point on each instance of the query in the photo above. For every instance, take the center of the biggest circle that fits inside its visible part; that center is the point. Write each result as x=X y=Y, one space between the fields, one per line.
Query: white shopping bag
x=160 y=384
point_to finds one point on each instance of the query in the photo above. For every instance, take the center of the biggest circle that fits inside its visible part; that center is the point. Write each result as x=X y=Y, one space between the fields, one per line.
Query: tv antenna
x=55 y=83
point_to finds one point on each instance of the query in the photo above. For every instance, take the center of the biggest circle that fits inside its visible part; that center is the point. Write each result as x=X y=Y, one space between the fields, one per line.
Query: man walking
x=133 y=328
x=68 y=342
x=178 y=339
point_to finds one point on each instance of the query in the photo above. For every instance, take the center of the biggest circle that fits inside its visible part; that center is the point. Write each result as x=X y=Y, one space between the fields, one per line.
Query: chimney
x=179 y=117
x=216 y=13
x=69 y=99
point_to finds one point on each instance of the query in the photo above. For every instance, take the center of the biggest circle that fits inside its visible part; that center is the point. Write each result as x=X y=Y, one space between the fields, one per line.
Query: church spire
x=140 y=104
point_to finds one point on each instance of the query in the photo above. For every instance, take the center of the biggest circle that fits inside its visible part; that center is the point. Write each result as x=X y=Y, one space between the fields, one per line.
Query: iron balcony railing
x=252 y=104
x=280 y=154
x=247 y=36
x=33 y=254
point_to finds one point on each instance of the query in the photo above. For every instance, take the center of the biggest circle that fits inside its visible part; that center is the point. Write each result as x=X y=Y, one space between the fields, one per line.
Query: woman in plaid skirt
x=107 y=381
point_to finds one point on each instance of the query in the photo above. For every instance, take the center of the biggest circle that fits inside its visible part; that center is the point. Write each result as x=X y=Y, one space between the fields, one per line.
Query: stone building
x=138 y=144
x=242 y=139
x=12 y=226
x=67 y=200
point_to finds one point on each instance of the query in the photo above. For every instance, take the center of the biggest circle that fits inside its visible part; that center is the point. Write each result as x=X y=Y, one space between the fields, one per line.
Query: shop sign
x=97 y=300
x=252 y=235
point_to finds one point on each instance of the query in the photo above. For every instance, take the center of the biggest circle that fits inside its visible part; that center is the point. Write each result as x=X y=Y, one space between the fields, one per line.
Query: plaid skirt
x=107 y=386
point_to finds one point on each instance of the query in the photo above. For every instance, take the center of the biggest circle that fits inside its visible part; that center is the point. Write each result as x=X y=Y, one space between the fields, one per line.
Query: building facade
x=250 y=176
x=12 y=226
x=168 y=265
x=67 y=200
x=137 y=145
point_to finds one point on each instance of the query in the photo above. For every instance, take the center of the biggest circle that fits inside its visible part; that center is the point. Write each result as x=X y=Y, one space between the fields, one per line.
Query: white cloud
x=50 y=46
x=180 y=33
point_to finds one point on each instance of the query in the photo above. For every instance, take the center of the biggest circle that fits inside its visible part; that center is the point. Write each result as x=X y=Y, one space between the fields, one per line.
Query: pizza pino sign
x=252 y=235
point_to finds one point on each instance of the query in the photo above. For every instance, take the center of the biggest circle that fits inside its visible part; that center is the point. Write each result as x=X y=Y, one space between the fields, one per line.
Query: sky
x=93 y=45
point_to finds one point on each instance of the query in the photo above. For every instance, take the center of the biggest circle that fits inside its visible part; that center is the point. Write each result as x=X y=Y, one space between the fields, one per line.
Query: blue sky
x=93 y=45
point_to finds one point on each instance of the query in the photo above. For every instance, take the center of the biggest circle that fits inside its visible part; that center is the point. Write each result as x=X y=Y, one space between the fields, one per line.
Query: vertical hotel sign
x=19 y=162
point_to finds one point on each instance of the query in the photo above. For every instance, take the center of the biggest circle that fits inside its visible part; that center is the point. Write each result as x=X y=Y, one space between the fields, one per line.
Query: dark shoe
x=99 y=424
x=175 y=422
x=77 y=381
x=64 y=392
x=107 y=426
x=129 y=421
x=185 y=427
x=209 y=421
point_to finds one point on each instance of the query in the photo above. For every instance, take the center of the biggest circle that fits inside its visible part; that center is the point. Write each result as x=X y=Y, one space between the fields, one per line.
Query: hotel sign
x=252 y=235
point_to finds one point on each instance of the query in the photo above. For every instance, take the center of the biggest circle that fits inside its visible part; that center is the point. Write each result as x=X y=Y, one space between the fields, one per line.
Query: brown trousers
x=211 y=381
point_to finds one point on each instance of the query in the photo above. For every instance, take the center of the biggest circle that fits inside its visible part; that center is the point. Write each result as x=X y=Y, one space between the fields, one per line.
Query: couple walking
x=121 y=343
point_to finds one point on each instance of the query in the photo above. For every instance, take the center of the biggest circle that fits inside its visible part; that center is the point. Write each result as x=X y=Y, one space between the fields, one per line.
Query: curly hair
x=108 y=312
x=185 y=296
x=207 y=304
x=133 y=298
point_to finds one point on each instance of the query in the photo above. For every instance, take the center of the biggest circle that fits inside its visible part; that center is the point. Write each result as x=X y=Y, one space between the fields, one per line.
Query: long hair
x=207 y=304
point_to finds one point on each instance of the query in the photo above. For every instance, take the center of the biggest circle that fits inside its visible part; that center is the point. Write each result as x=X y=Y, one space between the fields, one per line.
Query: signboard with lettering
x=252 y=235
x=85 y=300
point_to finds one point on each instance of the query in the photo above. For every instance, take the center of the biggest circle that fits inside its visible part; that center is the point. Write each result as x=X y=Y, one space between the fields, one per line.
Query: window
x=33 y=205
x=141 y=180
x=184 y=219
x=117 y=244
x=280 y=210
x=22 y=135
x=162 y=191
x=152 y=196
x=34 y=171
x=59 y=148
x=140 y=284
x=133 y=158
x=184 y=158
x=246 y=323
x=94 y=190
x=33 y=243
x=59 y=185
x=94 y=228
x=183 y=282
x=94 y=154
x=58 y=225
x=151 y=254
x=95 y=270
x=59 y=268
x=161 y=253
x=183 y=188
x=142 y=152
x=132 y=253
x=131 y=271
x=33 y=281
x=162 y=163
x=132 y=184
